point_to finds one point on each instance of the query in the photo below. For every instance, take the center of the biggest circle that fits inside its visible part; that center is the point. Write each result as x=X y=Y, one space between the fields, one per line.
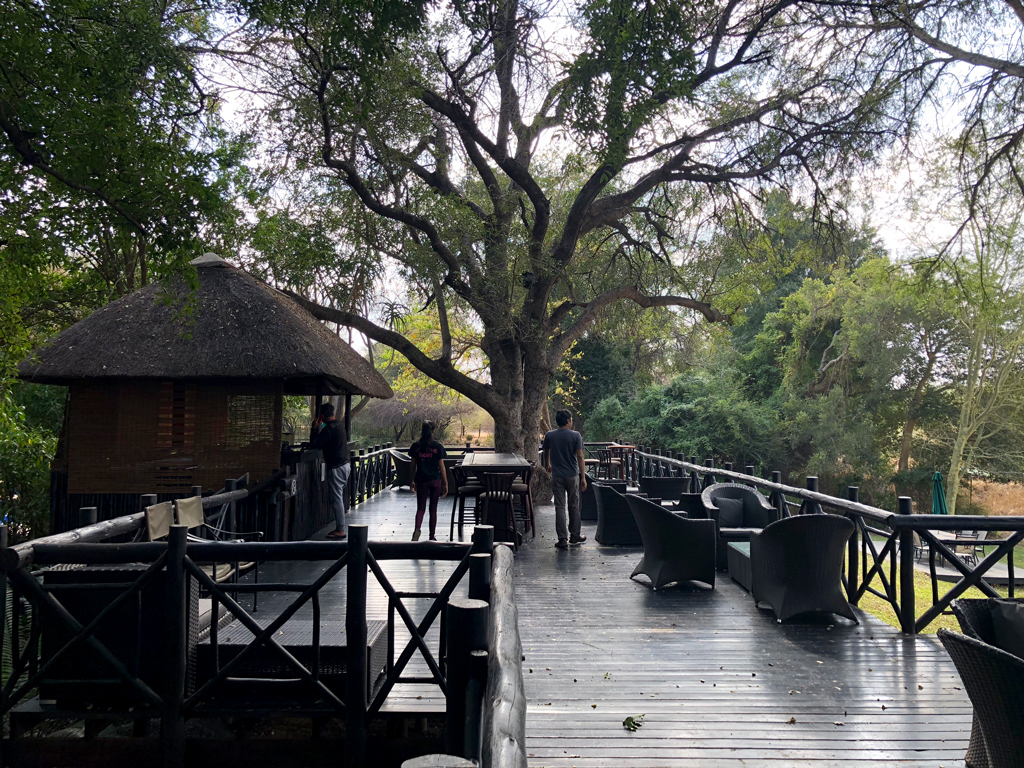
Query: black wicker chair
x=757 y=514
x=797 y=565
x=675 y=548
x=615 y=523
x=588 y=500
x=669 y=489
x=994 y=681
x=403 y=469
x=975 y=617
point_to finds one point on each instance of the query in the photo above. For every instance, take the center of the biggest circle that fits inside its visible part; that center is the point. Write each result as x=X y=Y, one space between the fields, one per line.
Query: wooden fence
x=487 y=693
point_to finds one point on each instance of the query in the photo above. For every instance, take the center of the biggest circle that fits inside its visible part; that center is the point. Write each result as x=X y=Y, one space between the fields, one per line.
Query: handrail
x=504 y=730
x=879 y=515
x=891 y=559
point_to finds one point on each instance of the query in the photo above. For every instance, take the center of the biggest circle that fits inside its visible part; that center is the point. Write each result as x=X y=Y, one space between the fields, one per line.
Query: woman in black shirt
x=429 y=478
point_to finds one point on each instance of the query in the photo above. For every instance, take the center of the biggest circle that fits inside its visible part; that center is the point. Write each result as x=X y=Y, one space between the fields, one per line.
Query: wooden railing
x=490 y=692
x=882 y=547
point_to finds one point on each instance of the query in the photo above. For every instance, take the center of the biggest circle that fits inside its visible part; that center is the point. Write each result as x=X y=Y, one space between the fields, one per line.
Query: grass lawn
x=922 y=600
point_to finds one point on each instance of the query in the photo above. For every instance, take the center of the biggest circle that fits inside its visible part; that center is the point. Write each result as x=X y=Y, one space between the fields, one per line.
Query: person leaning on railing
x=333 y=442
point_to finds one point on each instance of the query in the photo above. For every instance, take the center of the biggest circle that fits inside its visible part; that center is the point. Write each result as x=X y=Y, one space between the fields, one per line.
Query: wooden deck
x=720 y=683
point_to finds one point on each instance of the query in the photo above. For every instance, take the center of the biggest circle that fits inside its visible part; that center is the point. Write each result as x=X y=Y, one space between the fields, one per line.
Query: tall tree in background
x=539 y=169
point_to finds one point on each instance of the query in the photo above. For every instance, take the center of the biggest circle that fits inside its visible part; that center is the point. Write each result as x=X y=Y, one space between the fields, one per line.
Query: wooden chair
x=463 y=486
x=521 y=490
x=608 y=464
x=496 y=506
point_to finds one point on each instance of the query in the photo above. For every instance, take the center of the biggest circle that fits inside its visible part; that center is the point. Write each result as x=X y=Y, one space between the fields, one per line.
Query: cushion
x=190 y=512
x=1008 y=625
x=730 y=513
x=159 y=519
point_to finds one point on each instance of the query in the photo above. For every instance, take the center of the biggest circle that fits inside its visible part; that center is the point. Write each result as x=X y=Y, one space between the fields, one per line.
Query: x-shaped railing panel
x=84 y=633
x=418 y=631
x=265 y=636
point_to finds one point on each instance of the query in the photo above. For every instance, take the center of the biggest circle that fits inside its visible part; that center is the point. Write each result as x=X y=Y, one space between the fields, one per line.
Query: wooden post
x=908 y=611
x=348 y=415
x=172 y=733
x=853 y=552
x=694 y=478
x=476 y=688
x=709 y=476
x=778 y=496
x=751 y=470
x=480 y=576
x=483 y=539
x=809 y=507
x=146 y=500
x=728 y=466
x=88 y=516
x=466 y=631
x=356 y=638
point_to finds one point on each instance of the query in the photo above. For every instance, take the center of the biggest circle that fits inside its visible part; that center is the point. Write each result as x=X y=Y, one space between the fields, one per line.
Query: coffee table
x=738 y=558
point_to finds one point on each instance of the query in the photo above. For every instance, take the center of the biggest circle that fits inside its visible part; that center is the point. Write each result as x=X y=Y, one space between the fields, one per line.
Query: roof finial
x=209 y=259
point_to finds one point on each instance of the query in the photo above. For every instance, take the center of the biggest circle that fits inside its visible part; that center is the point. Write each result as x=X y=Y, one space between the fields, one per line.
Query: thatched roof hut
x=232 y=327
x=173 y=387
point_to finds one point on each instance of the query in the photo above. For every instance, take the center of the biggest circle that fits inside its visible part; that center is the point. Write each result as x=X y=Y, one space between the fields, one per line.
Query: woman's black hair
x=426 y=433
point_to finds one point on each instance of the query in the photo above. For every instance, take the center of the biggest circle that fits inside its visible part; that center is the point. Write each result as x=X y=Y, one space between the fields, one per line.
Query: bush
x=25 y=455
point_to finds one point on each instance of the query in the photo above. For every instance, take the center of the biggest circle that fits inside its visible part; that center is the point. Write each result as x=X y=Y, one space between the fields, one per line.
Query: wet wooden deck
x=720 y=682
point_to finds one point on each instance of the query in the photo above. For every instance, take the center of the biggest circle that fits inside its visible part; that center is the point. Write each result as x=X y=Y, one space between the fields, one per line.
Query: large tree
x=537 y=169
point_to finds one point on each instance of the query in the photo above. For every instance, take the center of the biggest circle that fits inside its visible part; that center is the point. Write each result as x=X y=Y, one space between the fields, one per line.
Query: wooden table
x=481 y=464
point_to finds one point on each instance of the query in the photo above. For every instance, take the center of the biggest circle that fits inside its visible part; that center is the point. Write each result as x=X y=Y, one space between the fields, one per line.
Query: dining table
x=480 y=464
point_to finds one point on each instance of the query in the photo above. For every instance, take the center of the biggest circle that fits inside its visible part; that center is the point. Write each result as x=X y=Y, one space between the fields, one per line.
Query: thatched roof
x=241 y=329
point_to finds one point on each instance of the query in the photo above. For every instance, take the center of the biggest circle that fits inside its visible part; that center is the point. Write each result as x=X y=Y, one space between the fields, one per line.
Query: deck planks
x=718 y=679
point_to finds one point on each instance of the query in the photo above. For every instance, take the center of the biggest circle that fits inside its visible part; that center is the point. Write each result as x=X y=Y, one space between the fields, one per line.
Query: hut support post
x=348 y=415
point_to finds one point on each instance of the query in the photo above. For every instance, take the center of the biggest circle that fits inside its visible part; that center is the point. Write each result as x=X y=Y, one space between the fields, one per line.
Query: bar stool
x=466 y=487
x=496 y=509
x=521 y=489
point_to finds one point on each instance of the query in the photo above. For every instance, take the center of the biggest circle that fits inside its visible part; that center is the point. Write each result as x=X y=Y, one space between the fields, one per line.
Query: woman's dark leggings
x=431 y=489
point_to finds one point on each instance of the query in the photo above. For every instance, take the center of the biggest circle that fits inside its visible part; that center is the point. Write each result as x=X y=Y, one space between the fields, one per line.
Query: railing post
x=361 y=480
x=751 y=470
x=728 y=467
x=172 y=732
x=87 y=516
x=694 y=478
x=908 y=611
x=356 y=637
x=476 y=689
x=480 y=576
x=146 y=500
x=853 y=551
x=466 y=631
x=709 y=475
x=778 y=498
x=809 y=507
x=483 y=539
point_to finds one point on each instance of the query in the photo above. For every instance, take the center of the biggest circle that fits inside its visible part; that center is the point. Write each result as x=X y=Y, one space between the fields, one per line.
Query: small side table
x=738 y=554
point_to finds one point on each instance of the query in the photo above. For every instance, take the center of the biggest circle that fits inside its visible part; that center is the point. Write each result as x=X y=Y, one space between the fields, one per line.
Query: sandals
x=336 y=535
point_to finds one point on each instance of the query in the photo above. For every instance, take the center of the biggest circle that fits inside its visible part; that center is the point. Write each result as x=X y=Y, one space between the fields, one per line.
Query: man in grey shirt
x=563 y=458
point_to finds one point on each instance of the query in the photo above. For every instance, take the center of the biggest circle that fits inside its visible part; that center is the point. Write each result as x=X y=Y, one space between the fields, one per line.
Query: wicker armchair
x=975 y=619
x=665 y=488
x=797 y=565
x=675 y=548
x=403 y=469
x=588 y=499
x=757 y=514
x=994 y=681
x=615 y=523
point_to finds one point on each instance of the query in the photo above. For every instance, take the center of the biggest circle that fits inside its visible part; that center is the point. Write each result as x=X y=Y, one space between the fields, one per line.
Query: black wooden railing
x=483 y=678
x=883 y=546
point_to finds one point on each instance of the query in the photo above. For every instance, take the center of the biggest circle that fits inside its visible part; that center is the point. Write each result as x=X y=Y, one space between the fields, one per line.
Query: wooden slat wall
x=164 y=437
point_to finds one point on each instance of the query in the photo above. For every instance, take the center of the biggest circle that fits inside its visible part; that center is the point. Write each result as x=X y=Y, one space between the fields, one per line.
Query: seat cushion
x=730 y=512
x=1008 y=626
x=470 y=490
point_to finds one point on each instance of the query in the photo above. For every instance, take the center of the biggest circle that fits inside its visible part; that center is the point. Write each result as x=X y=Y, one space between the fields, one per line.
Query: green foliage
x=638 y=57
x=25 y=455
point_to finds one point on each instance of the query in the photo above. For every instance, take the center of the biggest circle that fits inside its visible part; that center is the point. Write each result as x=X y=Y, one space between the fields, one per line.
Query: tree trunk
x=907 y=440
x=906 y=443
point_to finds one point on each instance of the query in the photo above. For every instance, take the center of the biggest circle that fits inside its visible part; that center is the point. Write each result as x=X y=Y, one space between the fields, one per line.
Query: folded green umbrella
x=938 y=496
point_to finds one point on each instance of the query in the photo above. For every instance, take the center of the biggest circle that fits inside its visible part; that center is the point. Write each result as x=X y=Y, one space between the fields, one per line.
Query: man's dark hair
x=326 y=411
x=563 y=417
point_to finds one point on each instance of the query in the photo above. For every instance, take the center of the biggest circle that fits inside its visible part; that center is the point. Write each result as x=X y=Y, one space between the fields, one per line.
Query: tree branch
x=440 y=370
